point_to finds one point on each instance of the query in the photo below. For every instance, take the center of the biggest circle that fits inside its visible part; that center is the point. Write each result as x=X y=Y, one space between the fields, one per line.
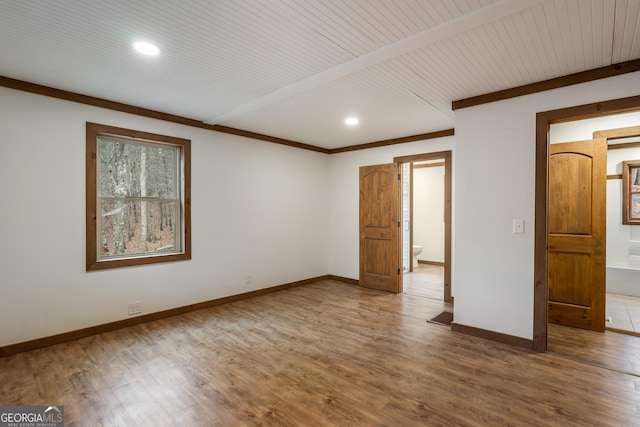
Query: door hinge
x=398 y=271
x=398 y=224
x=399 y=178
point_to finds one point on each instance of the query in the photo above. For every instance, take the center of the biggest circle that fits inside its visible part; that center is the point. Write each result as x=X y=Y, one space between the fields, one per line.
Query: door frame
x=448 y=168
x=541 y=271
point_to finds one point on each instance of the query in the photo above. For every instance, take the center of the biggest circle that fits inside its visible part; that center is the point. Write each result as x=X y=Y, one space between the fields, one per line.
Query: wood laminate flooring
x=426 y=281
x=325 y=354
x=609 y=349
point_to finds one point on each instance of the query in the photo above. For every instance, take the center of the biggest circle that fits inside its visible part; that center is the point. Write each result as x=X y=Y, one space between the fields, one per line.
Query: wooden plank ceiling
x=295 y=69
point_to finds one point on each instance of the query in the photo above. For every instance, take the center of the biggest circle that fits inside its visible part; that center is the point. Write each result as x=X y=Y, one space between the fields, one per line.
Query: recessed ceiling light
x=351 y=121
x=146 y=48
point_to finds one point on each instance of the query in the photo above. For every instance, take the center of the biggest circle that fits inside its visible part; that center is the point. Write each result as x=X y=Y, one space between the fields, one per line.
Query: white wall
x=578 y=130
x=344 y=193
x=620 y=236
x=258 y=209
x=277 y=213
x=495 y=171
x=428 y=212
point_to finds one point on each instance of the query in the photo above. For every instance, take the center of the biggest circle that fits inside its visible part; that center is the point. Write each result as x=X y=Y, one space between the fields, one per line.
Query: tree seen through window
x=137 y=185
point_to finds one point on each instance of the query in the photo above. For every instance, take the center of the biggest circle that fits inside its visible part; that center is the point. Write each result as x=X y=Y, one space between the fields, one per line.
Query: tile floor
x=624 y=312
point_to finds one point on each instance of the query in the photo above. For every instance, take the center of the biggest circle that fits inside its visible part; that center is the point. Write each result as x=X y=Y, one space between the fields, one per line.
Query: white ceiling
x=294 y=69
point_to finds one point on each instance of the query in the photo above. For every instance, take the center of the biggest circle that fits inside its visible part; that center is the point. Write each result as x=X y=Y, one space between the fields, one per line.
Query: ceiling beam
x=419 y=40
x=555 y=83
x=394 y=141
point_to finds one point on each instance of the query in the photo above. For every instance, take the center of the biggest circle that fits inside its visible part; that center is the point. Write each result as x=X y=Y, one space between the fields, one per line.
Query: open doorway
x=426 y=225
x=622 y=290
x=607 y=349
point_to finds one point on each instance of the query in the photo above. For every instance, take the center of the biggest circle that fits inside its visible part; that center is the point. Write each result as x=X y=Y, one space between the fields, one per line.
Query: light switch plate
x=518 y=226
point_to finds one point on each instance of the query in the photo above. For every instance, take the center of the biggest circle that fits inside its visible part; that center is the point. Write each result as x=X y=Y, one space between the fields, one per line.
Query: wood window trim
x=92 y=132
x=627 y=166
x=620 y=133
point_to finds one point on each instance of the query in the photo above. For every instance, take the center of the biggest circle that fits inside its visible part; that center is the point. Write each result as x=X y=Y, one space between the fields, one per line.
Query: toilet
x=417 y=250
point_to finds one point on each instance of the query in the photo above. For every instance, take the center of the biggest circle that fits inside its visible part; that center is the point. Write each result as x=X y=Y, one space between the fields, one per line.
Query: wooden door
x=379 y=227
x=577 y=233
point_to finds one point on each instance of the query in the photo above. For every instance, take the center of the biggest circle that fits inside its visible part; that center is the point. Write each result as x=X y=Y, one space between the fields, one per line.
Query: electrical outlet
x=249 y=279
x=135 y=308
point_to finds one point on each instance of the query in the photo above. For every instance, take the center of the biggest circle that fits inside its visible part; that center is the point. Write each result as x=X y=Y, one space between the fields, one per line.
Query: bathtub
x=623 y=280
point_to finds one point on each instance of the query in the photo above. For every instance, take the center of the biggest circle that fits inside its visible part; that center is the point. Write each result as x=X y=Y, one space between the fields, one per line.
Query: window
x=631 y=192
x=138 y=198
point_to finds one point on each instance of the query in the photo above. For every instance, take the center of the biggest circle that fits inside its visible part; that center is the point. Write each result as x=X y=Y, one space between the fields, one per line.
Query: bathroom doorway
x=622 y=134
x=615 y=347
x=610 y=349
x=426 y=225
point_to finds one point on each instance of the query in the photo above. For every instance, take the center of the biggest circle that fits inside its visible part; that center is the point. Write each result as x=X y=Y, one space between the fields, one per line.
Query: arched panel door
x=577 y=233
x=379 y=228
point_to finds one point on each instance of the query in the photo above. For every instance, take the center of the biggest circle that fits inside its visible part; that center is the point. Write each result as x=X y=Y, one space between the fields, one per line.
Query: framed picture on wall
x=631 y=192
